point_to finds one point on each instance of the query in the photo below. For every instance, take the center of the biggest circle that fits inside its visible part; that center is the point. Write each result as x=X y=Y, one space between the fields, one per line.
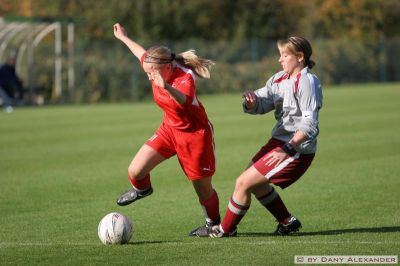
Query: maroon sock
x=211 y=208
x=274 y=204
x=234 y=213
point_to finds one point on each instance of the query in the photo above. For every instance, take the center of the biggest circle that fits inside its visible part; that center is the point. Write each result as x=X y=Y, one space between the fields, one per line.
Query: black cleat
x=294 y=225
x=133 y=195
x=204 y=231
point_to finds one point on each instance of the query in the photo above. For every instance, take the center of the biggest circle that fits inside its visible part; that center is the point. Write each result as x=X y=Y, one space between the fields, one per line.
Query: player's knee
x=242 y=185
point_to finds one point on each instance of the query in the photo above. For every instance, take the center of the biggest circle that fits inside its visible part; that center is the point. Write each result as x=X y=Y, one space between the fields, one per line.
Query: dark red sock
x=234 y=213
x=274 y=204
x=141 y=184
x=211 y=208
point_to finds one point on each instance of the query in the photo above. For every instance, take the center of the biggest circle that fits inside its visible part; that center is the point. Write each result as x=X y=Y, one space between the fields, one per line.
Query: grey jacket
x=296 y=101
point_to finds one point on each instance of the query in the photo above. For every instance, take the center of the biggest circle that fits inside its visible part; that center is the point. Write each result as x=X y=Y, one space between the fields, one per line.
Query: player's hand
x=157 y=79
x=250 y=99
x=119 y=31
x=276 y=156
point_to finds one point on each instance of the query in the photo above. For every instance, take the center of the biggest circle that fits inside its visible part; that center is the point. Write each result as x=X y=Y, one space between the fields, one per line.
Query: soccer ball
x=114 y=228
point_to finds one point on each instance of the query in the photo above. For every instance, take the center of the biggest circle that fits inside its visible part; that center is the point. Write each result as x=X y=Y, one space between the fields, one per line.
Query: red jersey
x=189 y=116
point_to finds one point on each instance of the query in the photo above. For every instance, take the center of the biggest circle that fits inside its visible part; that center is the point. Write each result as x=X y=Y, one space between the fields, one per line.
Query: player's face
x=11 y=62
x=165 y=70
x=290 y=63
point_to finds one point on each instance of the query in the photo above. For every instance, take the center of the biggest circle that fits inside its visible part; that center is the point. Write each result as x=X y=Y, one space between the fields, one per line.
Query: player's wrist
x=248 y=106
x=289 y=149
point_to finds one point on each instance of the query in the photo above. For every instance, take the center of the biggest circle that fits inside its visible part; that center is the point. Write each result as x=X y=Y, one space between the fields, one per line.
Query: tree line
x=221 y=19
x=353 y=40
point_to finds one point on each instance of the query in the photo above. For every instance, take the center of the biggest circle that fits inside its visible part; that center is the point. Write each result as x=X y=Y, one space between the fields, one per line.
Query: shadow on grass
x=151 y=242
x=385 y=229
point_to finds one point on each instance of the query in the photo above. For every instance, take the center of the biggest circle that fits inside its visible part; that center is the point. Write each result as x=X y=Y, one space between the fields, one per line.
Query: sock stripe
x=237 y=208
x=237 y=205
x=264 y=200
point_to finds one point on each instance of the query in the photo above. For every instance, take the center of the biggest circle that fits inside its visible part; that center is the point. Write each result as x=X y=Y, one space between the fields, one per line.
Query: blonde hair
x=163 y=55
x=296 y=45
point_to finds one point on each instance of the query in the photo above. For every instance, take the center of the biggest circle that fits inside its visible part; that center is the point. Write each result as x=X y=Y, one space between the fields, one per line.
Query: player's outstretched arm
x=178 y=96
x=120 y=34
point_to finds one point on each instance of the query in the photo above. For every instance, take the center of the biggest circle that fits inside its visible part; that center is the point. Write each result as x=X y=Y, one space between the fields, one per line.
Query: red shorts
x=195 y=150
x=288 y=171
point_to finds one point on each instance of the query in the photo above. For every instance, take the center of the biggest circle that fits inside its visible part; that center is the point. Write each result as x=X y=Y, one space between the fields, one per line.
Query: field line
x=211 y=242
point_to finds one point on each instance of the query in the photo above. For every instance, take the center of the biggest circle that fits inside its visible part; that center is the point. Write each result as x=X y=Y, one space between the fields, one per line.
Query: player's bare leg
x=245 y=184
x=138 y=172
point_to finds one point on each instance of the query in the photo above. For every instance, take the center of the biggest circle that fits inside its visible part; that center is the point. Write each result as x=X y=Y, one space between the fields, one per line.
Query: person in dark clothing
x=10 y=84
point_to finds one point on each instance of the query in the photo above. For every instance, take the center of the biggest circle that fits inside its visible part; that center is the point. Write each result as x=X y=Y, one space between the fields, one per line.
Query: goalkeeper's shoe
x=203 y=231
x=293 y=225
x=132 y=195
x=217 y=232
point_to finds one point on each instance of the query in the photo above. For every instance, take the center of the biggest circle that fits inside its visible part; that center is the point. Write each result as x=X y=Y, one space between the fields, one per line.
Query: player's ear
x=300 y=57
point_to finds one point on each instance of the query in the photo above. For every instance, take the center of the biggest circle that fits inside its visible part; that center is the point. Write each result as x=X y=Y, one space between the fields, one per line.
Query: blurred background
x=67 y=53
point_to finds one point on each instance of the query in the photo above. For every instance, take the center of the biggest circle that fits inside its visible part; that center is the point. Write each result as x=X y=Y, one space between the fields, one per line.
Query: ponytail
x=200 y=66
x=310 y=63
x=163 y=55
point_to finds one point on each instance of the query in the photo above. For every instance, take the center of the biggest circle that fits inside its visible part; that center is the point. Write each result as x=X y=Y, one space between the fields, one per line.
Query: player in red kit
x=185 y=130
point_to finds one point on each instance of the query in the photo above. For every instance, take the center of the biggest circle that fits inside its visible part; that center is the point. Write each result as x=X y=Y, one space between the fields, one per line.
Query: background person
x=185 y=130
x=295 y=95
x=11 y=88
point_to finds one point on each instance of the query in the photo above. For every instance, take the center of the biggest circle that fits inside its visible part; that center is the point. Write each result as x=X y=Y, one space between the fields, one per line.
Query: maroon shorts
x=195 y=150
x=285 y=173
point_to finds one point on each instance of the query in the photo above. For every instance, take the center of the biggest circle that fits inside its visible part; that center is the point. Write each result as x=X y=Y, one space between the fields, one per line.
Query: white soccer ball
x=114 y=228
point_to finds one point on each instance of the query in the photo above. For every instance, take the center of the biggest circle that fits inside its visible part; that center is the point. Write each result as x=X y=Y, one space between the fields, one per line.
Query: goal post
x=25 y=34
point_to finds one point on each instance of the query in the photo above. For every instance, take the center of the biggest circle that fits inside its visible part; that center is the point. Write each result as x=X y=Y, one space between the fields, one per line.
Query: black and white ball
x=115 y=228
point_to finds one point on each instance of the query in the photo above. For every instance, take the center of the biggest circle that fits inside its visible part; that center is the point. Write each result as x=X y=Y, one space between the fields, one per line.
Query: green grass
x=62 y=167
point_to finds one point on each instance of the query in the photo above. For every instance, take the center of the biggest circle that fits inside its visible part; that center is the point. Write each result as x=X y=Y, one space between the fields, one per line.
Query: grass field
x=62 y=167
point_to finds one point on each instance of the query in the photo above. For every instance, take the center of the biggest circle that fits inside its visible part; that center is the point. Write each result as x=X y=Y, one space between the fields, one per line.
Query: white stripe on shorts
x=282 y=165
x=213 y=142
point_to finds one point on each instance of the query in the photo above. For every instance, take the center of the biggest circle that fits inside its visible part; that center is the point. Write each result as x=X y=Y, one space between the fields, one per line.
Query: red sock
x=234 y=213
x=274 y=204
x=211 y=208
x=141 y=184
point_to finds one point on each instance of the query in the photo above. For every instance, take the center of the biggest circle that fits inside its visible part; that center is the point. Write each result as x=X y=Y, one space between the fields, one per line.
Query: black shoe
x=203 y=231
x=294 y=225
x=132 y=195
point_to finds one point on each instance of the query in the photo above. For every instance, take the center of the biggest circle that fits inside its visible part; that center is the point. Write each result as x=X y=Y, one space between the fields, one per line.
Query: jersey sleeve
x=265 y=102
x=310 y=101
x=187 y=86
x=142 y=59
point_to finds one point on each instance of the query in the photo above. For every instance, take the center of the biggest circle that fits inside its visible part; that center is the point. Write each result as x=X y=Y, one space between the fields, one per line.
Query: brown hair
x=296 y=45
x=163 y=55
